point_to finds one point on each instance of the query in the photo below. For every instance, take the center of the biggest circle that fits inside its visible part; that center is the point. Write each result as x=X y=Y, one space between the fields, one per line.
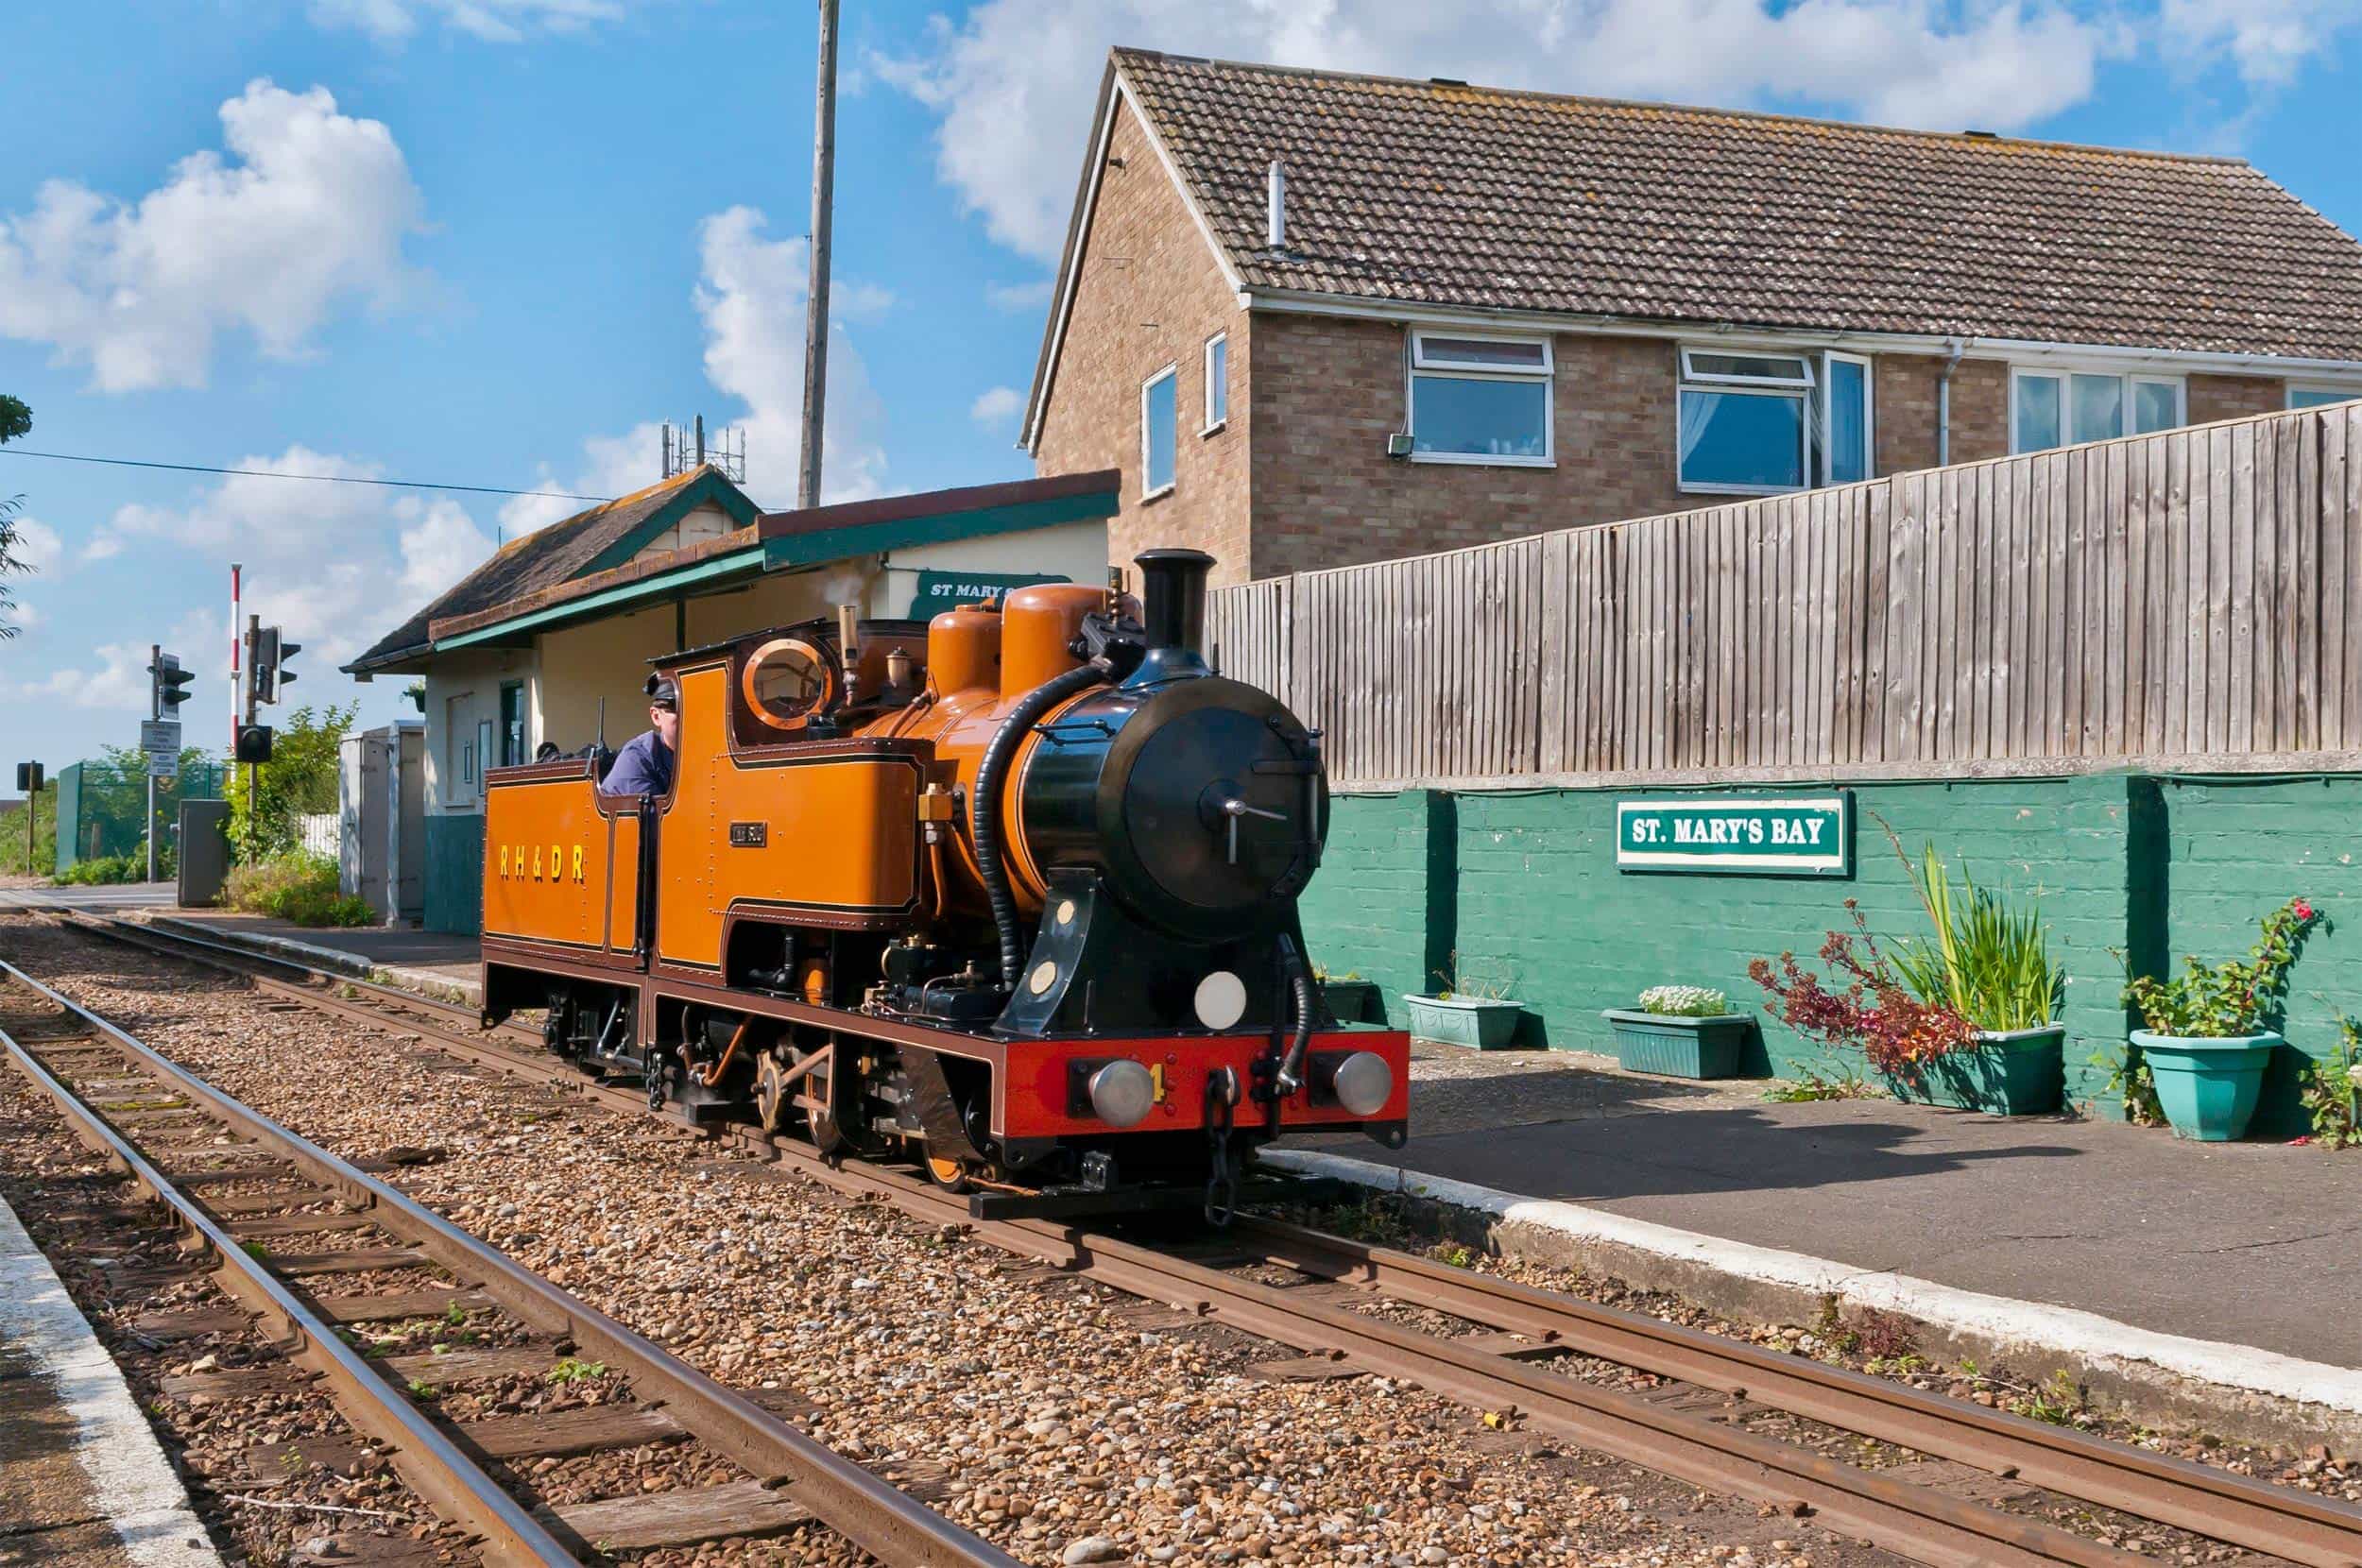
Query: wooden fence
x=2191 y=594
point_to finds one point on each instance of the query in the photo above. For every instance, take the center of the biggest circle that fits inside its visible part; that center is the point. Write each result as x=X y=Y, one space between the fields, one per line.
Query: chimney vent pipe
x=1276 y=227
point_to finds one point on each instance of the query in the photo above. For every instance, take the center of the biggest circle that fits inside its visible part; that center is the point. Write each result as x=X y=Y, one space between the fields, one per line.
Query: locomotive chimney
x=1173 y=597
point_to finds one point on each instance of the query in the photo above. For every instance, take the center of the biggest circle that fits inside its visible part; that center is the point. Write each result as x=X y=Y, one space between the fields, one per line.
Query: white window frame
x=1869 y=414
x=2064 y=373
x=1418 y=362
x=1804 y=392
x=2295 y=389
x=1172 y=373
x=1214 y=422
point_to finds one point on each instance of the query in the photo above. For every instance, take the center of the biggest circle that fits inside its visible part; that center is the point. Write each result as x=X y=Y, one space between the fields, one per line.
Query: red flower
x=2302 y=910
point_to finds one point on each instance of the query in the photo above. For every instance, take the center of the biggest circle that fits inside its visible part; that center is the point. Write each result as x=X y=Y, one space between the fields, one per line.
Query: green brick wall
x=2235 y=848
x=1527 y=881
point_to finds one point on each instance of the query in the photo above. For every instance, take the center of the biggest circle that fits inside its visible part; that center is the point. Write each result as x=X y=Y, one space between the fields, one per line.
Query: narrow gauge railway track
x=147 y=1114
x=1697 y=1436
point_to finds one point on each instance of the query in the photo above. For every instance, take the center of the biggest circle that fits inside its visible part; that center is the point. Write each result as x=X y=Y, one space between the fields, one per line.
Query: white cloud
x=1013 y=84
x=337 y=566
x=1020 y=296
x=117 y=679
x=2268 y=41
x=996 y=405
x=391 y=22
x=750 y=296
x=439 y=545
x=25 y=617
x=309 y=210
x=37 y=547
x=859 y=302
x=104 y=546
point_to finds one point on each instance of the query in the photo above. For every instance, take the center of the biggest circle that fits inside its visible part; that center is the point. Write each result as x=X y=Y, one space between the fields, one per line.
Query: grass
x=572 y=1370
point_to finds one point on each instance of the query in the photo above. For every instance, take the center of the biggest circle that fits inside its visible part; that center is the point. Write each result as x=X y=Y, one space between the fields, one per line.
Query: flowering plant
x=1683 y=1001
x=2229 y=999
x=1869 y=1006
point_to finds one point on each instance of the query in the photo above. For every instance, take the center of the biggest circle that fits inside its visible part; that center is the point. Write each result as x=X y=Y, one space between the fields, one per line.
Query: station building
x=550 y=638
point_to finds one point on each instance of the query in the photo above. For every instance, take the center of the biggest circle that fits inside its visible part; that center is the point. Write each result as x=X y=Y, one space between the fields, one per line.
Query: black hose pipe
x=983 y=819
x=1291 y=1077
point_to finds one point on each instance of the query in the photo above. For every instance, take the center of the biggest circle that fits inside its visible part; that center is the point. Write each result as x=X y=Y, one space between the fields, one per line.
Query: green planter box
x=2207 y=1088
x=1679 y=1047
x=1463 y=1020
x=2007 y=1073
x=1355 y=1001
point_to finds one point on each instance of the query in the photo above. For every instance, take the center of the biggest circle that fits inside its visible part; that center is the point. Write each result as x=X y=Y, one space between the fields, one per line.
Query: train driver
x=644 y=766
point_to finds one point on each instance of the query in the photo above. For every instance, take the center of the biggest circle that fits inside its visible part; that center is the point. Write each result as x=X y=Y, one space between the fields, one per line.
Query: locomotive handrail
x=984 y=809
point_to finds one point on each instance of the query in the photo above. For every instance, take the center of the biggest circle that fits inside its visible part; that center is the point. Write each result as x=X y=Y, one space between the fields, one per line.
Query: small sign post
x=1786 y=835
x=161 y=740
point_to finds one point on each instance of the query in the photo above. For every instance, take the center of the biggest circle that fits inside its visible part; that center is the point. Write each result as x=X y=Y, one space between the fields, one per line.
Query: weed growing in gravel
x=2057 y=1401
x=419 y=1390
x=1458 y=1256
x=456 y=1315
x=572 y=1370
x=253 y=1249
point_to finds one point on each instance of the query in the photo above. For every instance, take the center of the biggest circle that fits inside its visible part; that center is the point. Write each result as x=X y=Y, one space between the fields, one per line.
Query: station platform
x=2235 y=1260
x=82 y=1477
x=435 y=963
x=18 y=892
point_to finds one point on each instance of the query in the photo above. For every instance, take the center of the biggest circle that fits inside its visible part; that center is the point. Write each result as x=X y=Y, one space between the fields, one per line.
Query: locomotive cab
x=1014 y=892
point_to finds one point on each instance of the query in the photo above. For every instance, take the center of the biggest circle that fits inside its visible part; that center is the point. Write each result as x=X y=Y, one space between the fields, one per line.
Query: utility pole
x=816 y=302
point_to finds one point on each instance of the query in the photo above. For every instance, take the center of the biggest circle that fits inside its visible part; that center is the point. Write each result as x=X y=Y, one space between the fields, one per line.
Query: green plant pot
x=1355 y=1001
x=1676 y=1046
x=2207 y=1088
x=2012 y=1072
x=1480 y=1022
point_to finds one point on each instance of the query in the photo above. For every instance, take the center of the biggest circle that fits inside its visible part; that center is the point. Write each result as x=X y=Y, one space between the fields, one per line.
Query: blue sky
x=493 y=242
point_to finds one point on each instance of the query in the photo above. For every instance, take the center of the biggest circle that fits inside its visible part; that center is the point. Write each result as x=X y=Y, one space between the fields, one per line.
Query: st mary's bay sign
x=1788 y=836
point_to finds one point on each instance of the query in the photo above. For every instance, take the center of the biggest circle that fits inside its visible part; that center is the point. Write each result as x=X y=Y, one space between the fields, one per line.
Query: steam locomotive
x=1011 y=894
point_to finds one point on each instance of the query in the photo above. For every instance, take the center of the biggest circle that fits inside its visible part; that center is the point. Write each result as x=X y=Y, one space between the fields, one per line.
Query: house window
x=1845 y=419
x=1745 y=421
x=1480 y=399
x=2055 y=408
x=1217 y=383
x=1160 y=423
x=2320 y=397
x=512 y=723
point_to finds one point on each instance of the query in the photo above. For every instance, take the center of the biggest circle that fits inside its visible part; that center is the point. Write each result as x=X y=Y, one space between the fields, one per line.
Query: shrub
x=2229 y=999
x=1683 y=1001
x=106 y=870
x=1871 y=1009
x=1985 y=962
x=300 y=888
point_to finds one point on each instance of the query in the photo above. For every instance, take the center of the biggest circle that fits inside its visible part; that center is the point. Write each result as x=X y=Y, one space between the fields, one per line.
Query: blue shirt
x=644 y=767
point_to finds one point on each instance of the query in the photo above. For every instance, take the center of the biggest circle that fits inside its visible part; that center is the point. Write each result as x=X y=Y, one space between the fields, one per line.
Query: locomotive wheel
x=771 y=1096
x=950 y=1175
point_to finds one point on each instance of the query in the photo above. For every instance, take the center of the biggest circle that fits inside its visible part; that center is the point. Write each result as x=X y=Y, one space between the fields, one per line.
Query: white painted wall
x=463 y=693
x=1075 y=551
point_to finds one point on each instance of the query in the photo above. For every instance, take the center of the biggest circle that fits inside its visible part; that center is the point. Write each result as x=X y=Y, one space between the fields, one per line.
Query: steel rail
x=2223 y=1505
x=2219 y=1504
x=429 y=1462
x=867 y=1511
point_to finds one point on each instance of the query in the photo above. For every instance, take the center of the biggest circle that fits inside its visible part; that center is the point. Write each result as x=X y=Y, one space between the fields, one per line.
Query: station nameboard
x=1789 y=836
x=944 y=591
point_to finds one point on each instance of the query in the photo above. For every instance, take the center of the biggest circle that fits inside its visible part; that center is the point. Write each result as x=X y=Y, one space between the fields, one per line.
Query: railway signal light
x=253 y=743
x=172 y=683
x=271 y=652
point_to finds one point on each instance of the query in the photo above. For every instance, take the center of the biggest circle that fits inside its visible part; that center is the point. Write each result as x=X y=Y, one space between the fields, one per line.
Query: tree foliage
x=15 y=420
x=12 y=858
x=297 y=782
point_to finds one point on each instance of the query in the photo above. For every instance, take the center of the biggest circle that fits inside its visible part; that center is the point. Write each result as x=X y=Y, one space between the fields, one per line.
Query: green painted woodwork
x=707 y=487
x=831 y=544
x=626 y=596
x=2150 y=866
x=454 y=874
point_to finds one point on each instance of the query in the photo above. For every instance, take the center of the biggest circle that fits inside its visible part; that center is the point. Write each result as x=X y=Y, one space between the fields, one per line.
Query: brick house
x=1317 y=319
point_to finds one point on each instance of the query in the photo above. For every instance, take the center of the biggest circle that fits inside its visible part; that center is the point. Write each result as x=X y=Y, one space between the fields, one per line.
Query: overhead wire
x=317 y=478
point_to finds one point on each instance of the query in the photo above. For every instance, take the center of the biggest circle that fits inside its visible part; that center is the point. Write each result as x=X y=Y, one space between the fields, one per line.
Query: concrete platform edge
x=2236 y=1391
x=320 y=956
x=146 y=1506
